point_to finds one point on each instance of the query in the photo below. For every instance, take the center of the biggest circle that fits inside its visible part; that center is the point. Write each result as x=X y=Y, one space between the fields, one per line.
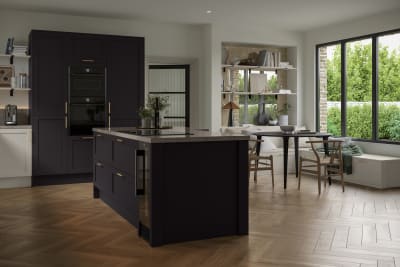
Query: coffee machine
x=10 y=117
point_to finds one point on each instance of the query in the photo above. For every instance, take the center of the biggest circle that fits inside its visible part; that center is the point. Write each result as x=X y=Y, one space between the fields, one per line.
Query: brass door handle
x=119 y=174
x=119 y=140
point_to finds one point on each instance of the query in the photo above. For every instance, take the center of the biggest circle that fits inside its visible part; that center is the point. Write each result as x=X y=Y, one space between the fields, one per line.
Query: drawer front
x=102 y=177
x=123 y=189
x=123 y=154
x=102 y=147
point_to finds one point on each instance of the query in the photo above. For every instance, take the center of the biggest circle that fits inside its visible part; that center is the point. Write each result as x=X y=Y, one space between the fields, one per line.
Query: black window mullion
x=375 y=105
x=343 y=81
x=317 y=95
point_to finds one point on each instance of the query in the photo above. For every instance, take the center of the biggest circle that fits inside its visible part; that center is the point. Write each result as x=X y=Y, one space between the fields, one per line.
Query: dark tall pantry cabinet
x=59 y=157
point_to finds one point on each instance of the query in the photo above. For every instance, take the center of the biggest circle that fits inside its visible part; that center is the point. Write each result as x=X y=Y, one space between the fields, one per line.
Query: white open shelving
x=15 y=89
x=260 y=68
x=15 y=56
x=254 y=93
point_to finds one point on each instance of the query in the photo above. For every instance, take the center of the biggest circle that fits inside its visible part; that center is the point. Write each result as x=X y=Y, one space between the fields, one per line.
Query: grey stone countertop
x=2 y=126
x=174 y=135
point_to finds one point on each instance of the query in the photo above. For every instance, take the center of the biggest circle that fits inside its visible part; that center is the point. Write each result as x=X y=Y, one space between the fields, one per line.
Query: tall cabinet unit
x=58 y=156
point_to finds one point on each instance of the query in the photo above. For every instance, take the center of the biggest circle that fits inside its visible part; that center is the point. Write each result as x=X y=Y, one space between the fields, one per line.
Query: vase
x=146 y=122
x=283 y=119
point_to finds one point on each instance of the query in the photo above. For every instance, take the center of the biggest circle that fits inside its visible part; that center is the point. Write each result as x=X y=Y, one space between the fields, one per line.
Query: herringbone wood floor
x=65 y=226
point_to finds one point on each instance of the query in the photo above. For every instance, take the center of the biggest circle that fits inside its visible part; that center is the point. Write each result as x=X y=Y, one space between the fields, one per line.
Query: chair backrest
x=331 y=149
x=253 y=146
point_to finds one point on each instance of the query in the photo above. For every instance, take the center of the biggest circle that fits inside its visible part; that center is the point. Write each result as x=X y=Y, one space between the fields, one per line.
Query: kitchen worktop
x=174 y=135
x=2 y=126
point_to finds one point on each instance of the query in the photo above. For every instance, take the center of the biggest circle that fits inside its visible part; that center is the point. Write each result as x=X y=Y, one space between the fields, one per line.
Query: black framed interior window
x=358 y=87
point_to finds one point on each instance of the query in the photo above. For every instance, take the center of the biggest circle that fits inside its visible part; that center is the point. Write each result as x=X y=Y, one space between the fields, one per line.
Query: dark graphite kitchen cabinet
x=114 y=170
x=57 y=156
x=174 y=190
x=87 y=49
x=125 y=58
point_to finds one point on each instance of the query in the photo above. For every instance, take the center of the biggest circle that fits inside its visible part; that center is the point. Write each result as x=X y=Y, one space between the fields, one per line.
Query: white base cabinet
x=15 y=158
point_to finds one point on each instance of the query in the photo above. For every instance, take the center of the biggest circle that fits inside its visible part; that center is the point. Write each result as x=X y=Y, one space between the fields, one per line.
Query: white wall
x=366 y=25
x=178 y=42
x=242 y=34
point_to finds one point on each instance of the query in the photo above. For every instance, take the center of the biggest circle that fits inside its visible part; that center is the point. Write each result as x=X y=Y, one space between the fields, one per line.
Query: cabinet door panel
x=87 y=49
x=125 y=83
x=15 y=156
x=49 y=72
x=102 y=177
x=123 y=154
x=102 y=147
x=80 y=155
x=49 y=149
x=123 y=189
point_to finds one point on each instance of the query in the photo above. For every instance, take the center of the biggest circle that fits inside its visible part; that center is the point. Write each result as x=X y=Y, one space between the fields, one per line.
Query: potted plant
x=283 y=114
x=146 y=114
x=151 y=113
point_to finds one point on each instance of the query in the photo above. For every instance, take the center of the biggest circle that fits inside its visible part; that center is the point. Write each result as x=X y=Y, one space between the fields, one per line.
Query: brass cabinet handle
x=87 y=137
x=66 y=114
x=98 y=164
x=119 y=140
x=109 y=114
x=98 y=135
x=119 y=174
x=87 y=60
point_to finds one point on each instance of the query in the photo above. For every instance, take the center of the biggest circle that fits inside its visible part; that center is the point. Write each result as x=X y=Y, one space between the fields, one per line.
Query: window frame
x=375 y=80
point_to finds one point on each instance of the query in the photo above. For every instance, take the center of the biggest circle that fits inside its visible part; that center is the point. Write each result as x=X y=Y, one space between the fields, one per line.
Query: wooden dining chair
x=260 y=162
x=323 y=165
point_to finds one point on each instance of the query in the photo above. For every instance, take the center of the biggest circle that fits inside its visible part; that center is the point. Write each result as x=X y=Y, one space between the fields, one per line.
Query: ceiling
x=293 y=15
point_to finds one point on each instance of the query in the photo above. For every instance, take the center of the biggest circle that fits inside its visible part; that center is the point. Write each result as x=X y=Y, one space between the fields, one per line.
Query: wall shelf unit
x=248 y=78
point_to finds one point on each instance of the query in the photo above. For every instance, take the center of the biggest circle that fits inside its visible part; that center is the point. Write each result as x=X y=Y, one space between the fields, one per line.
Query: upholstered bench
x=376 y=171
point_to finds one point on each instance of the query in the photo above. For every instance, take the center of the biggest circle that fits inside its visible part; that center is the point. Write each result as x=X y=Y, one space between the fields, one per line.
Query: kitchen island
x=174 y=185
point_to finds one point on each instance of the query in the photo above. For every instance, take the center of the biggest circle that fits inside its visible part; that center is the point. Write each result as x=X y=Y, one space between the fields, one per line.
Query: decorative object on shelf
x=287 y=128
x=283 y=115
x=23 y=80
x=6 y=72
x=262 y=117
x=231 y=106
x=273 y=114
x=258 y=82
x=10 y=44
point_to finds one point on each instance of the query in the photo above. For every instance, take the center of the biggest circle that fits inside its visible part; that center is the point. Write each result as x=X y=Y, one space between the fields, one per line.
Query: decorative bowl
x=287 y=128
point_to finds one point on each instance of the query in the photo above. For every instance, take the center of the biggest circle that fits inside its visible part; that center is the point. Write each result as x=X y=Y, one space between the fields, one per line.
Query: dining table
x=285 y=136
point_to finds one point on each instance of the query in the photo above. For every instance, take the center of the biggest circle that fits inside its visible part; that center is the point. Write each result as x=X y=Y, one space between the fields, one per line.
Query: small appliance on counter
x=10 y=117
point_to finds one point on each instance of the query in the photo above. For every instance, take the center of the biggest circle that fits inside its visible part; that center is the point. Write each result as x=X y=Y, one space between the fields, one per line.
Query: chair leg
x=341 y=176
x=255 y=171
x=319 y=180
x=300 y=164
x=325 y=175
x=272 y=172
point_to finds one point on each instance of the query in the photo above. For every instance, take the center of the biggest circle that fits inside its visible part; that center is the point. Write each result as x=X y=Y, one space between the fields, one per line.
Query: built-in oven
x=87 y=99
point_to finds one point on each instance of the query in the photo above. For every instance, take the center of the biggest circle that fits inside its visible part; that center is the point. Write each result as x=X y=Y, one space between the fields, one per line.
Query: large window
x=358 y=87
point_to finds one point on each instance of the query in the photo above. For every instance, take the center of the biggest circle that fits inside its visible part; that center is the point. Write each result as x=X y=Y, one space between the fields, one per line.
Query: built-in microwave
x=87 y=99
